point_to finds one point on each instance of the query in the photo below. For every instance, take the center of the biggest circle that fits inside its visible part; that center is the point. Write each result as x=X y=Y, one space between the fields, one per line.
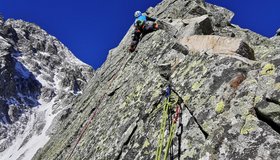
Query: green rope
x=170 y=139
x=168 y=102
x=162 y=128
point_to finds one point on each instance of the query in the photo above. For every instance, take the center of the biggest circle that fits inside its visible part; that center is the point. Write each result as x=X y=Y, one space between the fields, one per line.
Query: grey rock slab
x=218 y=45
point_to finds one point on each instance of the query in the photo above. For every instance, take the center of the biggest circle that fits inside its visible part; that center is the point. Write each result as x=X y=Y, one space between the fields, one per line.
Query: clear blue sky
x=259 y=16
x=90 y=28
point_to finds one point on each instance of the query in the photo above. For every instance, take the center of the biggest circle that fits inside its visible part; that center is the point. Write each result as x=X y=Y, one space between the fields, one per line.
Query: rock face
x=230 y=103
x=229 y=97
x=39 y=76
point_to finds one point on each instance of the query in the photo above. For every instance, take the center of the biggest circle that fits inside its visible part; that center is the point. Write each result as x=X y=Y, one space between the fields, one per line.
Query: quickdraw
x=172 y=132
x=179 y=133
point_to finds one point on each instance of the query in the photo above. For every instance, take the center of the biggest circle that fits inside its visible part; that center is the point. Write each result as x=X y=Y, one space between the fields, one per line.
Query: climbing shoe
x=155 y=26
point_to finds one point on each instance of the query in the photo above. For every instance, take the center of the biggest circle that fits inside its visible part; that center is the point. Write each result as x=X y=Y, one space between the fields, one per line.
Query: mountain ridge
x=227 y=88
x=38 y=75
x=220 y=93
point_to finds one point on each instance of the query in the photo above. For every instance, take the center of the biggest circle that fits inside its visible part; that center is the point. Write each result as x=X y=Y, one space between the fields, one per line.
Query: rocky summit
x=39 y=78
x=224 y=80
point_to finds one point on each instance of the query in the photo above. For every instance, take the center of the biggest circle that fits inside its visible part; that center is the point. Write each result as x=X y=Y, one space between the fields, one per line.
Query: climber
x=142 y=26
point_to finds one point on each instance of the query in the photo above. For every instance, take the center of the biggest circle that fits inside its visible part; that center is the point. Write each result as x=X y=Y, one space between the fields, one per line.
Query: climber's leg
x=135 y=40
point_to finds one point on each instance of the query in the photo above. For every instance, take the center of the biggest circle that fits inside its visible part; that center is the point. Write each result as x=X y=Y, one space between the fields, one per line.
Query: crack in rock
x=126 y=142
x=195 y=119
x=266 y=119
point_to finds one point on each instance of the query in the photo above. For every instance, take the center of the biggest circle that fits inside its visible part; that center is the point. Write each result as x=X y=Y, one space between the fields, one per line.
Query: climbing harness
x=167 y=109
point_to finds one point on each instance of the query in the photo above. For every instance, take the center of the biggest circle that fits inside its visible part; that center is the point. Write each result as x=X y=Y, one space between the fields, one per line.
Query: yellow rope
x=162 y=128
x=170 y=139
x=168 y=102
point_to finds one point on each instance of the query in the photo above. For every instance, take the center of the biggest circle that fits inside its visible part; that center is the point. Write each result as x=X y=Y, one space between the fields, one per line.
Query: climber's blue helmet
x=137 y=14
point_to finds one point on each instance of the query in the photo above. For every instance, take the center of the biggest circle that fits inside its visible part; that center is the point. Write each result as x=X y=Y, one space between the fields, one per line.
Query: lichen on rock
x=268 y=69
x=250 y=124
x=220 y=107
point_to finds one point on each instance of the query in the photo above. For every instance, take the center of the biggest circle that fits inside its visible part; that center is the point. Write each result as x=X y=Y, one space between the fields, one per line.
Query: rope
x=172 y=128
x=170 y=139
x=90 y=119
x=171 y=134
x=84 y=129
x=162 y=128
x=171 y=155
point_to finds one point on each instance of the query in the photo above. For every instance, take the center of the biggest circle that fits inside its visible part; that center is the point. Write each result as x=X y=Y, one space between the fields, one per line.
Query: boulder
x=212 y=44
x=201 y=25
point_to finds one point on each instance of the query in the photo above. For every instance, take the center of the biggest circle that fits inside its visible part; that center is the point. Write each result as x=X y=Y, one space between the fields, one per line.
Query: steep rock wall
x=229 y=103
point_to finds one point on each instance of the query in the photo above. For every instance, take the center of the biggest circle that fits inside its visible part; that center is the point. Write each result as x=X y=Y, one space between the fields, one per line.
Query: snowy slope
x=39 y=76
x=23 y=149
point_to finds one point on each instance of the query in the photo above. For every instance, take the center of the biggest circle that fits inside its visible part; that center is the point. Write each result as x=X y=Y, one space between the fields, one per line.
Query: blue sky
x=259 y=16
x=90 y=28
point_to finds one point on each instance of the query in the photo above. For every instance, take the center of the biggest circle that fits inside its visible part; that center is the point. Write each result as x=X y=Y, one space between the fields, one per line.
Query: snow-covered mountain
x=39 y=78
